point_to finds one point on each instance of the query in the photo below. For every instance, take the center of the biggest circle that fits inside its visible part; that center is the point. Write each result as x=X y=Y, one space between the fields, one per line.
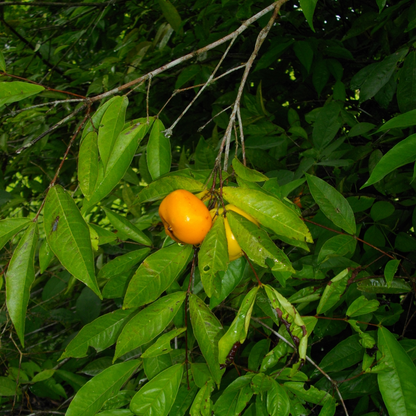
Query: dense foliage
x=303 y=117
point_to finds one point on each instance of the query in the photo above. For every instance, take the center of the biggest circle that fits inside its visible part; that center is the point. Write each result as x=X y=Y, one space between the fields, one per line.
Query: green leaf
x=184 y=399
x=158 y=395
x=257 y=244
x=164 y=186
x=2 y=62
x=327 y=125
x=104 y=236
x=8 y=387
x=88 y=164
x=11 y=92
x=362 y=306
x=229 y=280
x=329 y=408
x=312 y=395
x=235 y=397
x=126 y=228
x=148 y=323
x=116 y=412
x=159 y=157
x=333 y=291
x=381 y=210
x=337 y=246
x=308 y=9
x=122 y=264
x=202 y=404
x=246 y=173
x=19 y=278
x=304 y=53
x=97 y=117
x=390 y=270
x=92 y=395
x=398 y=382
x=376 y=75
x=379 y=285
x=156 y=274
x=110 y=127
x=162 y=344
x=213 y=257
x=99 y=334
x=400 y=122
x=171 y=15
x=332 y=203
x=43 y=375
x=406 y=90
x=10 y=227
x=238 y=329
x=269 y=211
x=345 y=354
x=278 y=403
x=119 y=160
x=68 y=236
x=401 y=154
x=208 y=331
x=45 y=256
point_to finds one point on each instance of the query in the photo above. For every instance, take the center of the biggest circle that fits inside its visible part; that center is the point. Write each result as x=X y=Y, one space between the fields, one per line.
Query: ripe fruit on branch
x=234 y=249
x=185 y=217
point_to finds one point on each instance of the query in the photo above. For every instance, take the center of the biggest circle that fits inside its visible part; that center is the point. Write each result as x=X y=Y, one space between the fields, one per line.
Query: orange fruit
x=185 y=217
x=234 y=249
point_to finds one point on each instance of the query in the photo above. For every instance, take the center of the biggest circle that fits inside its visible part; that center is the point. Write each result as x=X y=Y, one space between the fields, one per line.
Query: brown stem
x=252 y=268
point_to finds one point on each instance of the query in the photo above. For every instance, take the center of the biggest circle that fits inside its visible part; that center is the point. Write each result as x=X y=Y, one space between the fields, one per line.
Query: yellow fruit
x=185 y=217
x=234 y=249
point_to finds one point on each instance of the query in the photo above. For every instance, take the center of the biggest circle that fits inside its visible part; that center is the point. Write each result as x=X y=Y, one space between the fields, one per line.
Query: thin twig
x=53 y=103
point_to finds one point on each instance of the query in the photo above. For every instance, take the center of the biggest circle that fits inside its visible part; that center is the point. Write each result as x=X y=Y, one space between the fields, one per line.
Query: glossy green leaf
x=398 y=382
x=235 y=397
x=94 y=393
x=116 y=412
x=406 y=90
x=362 y=306
x=256 y=243
x=229 y=280
x=10 y=227
x=379 y=285
x=213 y=257
x=158 y=395
x=332 y=203
x=13 y=91
x=208 y=331
x=45 y=256
x=122 y=264
x=43 y=375
x=88 y=164
x=19 y=278
x=148 y=323
x=104 y=236
x=99 y=334
x=68 y=236
x=334 y=289
x=171 y=14
x=119 y=160
x=184 y=399
x=390 y=270
x=278 y=403
x=156 y=274
x=246 y=173
x=269 y=211
x=97 y=117
x=345 y=354
x=401 y=154
x=110 y=127
x=308 y=9
x=164 y=186
x=162 y=344
x=337 y=246
x=238 y=329
x=126 y=228
x=327 y=125
x=304 y=53
x=159 y=157
x=202 y=404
